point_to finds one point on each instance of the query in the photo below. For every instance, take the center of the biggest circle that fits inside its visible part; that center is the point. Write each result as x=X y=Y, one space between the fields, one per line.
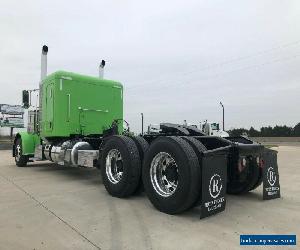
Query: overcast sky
x=176 y=59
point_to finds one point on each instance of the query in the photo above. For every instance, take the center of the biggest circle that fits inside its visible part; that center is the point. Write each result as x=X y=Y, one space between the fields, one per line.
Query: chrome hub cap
x=18 y=152
x=164 y=174
x=114 y=166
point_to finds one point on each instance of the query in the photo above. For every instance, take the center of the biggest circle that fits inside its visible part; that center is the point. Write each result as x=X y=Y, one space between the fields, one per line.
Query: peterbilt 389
x=79 y=123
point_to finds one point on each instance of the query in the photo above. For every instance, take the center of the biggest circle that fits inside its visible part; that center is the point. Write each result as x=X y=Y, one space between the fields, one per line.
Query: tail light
x=242 y=163
x=260 y=162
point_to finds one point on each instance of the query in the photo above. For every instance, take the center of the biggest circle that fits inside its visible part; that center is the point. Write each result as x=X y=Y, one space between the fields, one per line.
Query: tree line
x=277 y=131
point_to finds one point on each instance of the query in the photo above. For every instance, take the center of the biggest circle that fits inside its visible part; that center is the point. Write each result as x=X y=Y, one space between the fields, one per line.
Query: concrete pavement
x=45 y=206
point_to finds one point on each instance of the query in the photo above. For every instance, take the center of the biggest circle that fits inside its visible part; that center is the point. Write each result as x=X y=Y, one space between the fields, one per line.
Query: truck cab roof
x=61 y=74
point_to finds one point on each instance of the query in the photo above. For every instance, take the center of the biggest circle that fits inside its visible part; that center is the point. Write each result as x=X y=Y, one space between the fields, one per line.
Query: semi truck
x=212 y=128
x=79 y=123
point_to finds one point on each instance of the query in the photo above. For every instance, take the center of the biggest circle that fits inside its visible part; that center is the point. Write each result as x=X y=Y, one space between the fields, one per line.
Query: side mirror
x=25 y=99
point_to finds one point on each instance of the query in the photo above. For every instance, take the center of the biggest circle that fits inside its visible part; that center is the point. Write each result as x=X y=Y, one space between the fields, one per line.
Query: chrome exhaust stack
x=44 y=62
x=101 y=69
x=43 y=76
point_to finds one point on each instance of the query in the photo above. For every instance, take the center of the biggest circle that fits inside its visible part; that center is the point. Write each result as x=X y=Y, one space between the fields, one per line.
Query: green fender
x=29 y=142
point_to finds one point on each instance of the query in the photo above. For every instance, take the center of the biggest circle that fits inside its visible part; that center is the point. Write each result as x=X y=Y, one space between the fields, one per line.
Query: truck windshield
x=215 y=126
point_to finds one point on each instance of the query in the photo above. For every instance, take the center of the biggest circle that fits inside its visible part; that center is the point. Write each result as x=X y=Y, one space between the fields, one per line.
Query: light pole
x=142 y=114
x=223 y=115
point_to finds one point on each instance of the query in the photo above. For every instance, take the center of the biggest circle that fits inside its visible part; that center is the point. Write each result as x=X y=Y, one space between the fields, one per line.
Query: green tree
x=266 y=131
x=269 y=131
x=238 y=132
x=253 y=132
x=296 y=130
x=282 y=131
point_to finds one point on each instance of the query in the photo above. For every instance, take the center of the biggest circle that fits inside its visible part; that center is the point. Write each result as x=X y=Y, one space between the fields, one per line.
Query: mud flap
x=271 y=186
x=214 y=182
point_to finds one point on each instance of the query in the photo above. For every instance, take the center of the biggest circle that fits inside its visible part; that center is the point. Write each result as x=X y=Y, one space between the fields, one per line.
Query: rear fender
x=29 y=142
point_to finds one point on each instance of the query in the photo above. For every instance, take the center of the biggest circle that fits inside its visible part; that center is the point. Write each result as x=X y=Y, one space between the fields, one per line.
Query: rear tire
x=120 y=166
x=171 y=175
x=253 y=180
x=142 y=146
x=21 y=160
x=259 y=181
x=199 y=148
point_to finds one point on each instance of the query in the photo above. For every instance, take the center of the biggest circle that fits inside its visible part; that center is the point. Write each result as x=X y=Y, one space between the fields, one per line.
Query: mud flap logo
x=271 y=176
x=213 y=192
x=215 y=186
x=271 y=187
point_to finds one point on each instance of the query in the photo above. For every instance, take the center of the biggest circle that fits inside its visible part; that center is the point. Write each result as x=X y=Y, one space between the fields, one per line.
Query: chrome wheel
x=164 y=174
x=18 y=153
x=114 y=166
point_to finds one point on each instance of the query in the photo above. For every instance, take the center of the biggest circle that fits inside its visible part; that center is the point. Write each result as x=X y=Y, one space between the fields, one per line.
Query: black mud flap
x=214 y=181
x=271 y=186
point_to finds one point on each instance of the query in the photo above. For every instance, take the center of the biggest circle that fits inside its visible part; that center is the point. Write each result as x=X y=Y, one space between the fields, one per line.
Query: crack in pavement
x=50 y=211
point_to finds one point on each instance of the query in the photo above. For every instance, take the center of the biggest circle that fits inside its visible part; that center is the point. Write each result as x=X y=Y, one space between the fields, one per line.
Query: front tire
x=20 y=159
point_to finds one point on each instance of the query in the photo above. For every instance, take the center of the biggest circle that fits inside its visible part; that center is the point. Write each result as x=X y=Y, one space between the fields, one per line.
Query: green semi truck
x=79 y=122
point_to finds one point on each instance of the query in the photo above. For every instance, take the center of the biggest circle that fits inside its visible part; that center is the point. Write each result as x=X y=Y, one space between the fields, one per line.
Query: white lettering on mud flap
x=215 y=187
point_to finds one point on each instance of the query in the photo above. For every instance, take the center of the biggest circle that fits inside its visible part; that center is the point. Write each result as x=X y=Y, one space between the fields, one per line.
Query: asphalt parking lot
x=46 y=206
